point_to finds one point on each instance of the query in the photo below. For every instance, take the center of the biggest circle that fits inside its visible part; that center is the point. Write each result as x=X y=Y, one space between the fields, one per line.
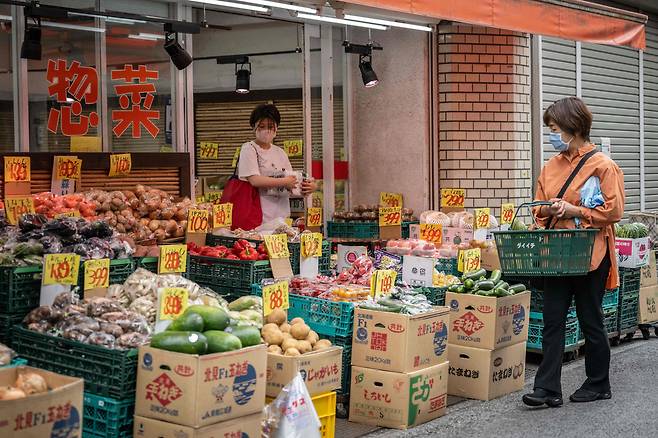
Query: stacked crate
x=628 y=303
x=20 y=290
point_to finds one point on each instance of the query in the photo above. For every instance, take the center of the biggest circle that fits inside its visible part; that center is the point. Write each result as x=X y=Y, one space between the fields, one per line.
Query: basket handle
x=530 y=205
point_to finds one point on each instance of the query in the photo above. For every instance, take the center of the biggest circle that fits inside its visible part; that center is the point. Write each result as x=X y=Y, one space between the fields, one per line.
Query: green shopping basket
x=545 y=253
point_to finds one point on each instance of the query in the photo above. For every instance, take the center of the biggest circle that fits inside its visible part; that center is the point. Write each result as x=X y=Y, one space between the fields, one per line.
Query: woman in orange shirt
x=570 y=122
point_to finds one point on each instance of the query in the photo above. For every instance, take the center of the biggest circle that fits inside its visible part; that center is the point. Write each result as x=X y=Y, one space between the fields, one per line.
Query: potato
x=292 y=352
x=312 y=337
x=273 y=337
x=268 y=327
x=285 y=327
x=278 y=316
x=322 y=344
x=304 y=347
x=275 y=349
x=288 y=343
x=300 y=331
x=297 y=320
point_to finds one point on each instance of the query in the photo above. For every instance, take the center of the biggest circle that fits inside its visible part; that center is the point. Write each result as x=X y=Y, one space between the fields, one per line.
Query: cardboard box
x=489 y=259
x=401 y=343
x=648 y=304
x=488 y=322
x=243 y=427
x=321 y=371
x=455 y=236
x=398 y=400
x=196 y=391
x=57 y=412
x=648 y=275
x=486 y=374
x=632 y=253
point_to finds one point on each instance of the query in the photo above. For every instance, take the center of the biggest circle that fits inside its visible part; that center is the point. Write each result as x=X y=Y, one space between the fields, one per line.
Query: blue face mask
x=556 y=140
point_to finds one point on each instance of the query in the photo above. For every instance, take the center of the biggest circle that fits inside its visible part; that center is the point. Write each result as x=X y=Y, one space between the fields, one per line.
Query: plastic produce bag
x=292 y=414
x=590 y=194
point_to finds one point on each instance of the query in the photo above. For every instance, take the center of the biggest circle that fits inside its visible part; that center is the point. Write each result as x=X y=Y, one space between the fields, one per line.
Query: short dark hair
x=571 y=115
x=265 y=111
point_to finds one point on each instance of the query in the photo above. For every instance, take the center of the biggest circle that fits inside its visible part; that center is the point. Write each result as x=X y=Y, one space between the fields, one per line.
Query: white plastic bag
x=292 y=414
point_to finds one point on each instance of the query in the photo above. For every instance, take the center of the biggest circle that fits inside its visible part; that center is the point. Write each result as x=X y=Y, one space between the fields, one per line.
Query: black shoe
x=585 y=395
x=542 y=397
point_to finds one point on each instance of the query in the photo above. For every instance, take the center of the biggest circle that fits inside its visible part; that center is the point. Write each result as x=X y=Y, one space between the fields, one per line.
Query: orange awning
x=569 y=19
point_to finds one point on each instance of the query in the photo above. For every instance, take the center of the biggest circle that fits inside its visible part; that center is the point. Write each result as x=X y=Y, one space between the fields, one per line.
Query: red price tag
x=506 y=213
x=314 y=217
x=17 y=169
x=67 y=167
x=390 y=216
x=97 y=274
x=482 y=218
x=173 y=259
x=275 y=296
x=431 y=233
x=472 y=260
x=390 y=199
x=453 y=198
x=197 y=221
x=61 y=269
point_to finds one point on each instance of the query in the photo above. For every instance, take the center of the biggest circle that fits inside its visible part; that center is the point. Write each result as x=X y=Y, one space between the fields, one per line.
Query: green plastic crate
x=107 y=417
x=227 y=241
x=537 y=303
x=628 y=311
x=435 y=295
x=16 y=362
x=6 y=323
x=629 y=281
x=536 y=331
x=361 y=230
x=110 y=373
x=20 y=288
x=323 y=263
x=239 y=274
x=447 y=266
x=120 y=270
x=346 y=343
x=611 y=298
x=148 y=263
x=610 y=318
x=406 y=228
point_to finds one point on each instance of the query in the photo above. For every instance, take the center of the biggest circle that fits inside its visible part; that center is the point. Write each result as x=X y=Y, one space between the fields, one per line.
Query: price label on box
x=208 y=150
x=222 y=215
x=277 y=246
x=382 y=282
x=67 y=167
x=173 y=259
x=390 y=199
x=97 y=274
x=120 y=164
x=72 y=213
x=197 y=221
x=472 y=258
x=390 y=216
x=314 y=217
x=15 y=207
x=431 y=233
x=453 y=198
x=275 y=296
x=293 y=148
x=17 y=169
x=482 y=218
x=311 y=245
x=173 y=302
x=506 y=214
x=61 y=269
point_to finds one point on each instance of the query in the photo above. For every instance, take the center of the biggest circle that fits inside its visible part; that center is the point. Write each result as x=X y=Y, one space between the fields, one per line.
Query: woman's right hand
x=289 y=182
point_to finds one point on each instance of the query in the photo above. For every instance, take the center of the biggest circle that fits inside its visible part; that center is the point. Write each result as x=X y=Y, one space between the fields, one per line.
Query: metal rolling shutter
x=651 y=116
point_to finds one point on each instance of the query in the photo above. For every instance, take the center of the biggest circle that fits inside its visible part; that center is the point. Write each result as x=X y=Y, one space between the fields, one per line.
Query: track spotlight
x=178 y=55
x=364 y=51
x=242 y=78
x=31 y=47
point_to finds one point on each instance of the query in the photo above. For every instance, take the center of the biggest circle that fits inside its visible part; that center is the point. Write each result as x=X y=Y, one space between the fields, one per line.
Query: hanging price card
x=61 y=269
x=390 y=199
x=317 y=199
x=120 y=164
x=197 y=221
x=173 y=302
x=277 y=246
x=472 y=260
x=311 y=245
x=72 y=213
x=390 y=216
x=208 y=150
x=17 y=169
x=314 y=217
x=213 y=197
x=97 y=274
x=15 y=207
x=222 y=215
x=173 y=259
x=453 y=198
x=236 y=156
x=482 y=218
x=506 y=214
x=67 y=167
x=431 y=233
x=293 y=148
x=275 y=296
x=382 y=282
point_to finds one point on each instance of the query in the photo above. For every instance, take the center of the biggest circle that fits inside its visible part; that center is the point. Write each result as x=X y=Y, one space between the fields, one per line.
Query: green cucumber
x=485 y=285
x=502 y=284
x=460 y=289
x=219 y=341
x=475 y=275
x=214 y=318
x=451 y=288
x=180 y=342
x=393 y=305
x=469 y=284
x=187 y=322
x=500 y=292
x=248 y=335
x=496 y=275
x=517 y=288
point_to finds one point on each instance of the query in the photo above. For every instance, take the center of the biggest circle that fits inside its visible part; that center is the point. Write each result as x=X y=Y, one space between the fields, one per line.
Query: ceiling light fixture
x=364 y=51
x=31 y=47
x=72 y=26
x=177 y=53
x=107 y=19
x=242 y=71
x=340 y=21
x=146 y=36
x=388 y=23
x=233 y=5
x=286 y=6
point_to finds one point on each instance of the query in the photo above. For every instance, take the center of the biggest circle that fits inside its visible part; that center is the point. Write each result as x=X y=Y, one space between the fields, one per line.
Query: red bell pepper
x=241 y=244
x=263 y=257
x=232 y=257
x=261 y=249
x=249 y=253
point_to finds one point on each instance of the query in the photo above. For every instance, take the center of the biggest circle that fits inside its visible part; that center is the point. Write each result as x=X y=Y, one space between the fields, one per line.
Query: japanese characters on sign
x=214 y=197
x=471 y=259
x=431 y=233
x=15 y=207
x=208 y=150
x=275 y=296
x=482 y=218
x=136 y=97
x=293 y=148
x=120 y=164
x=506 y=214
x=173 y=259
x=198 y=221
x=277 y=246
x=17 y=169
x=453 y=198
x=97 y=274
x=314 y=217
x=311 y=245
x=67 y=167
x=236 y=157
x=61 y=269
x=72 y=213
x=390 y=216
x=390 y=199
x=173 y=302
x=222 y=215
x=382 y=282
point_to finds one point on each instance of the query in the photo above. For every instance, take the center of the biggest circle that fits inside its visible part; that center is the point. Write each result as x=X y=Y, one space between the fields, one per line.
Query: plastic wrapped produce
x=63 y=227
x=97 y=306
x=30 y=222
x=102 y=339
x=133 y=340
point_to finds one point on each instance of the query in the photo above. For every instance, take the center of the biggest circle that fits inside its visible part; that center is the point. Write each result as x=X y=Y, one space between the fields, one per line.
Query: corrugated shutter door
x=610 y=87
x=651 y=116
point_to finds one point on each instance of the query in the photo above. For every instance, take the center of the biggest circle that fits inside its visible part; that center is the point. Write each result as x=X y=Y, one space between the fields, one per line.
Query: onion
x=168 y=213
x=171 y=227
x=154 y=225
x=10 y=393
x=31 y=383
x=181 y=214
x=180 y=232
x=160 y=235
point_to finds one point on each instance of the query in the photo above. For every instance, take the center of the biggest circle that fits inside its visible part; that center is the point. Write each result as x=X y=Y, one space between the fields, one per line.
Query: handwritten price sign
x=72 y=213
x=506 y=214
x=453 y=198
x=15 y=207
x=236 y=156
x=390 y=199
x=317 y=199
x=173 y=259
x=198 y=221
x=277 y=246
x=314 y=217
x=390 y=216
x=67 y=167
x=120 y=164
x=293 y=148
x=382 y=282
x=222 y=215
x=472 y=260
x=97 y=274
x=482 y=218
x=208 y=150
x=275 y=296
x=61 y=269
x=431 y=233
x=311 y=245
x=173 y=302
x=17 y=169
x=214 y=197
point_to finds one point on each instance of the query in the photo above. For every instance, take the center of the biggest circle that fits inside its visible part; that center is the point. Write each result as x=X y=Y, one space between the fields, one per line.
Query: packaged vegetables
x=241 y=250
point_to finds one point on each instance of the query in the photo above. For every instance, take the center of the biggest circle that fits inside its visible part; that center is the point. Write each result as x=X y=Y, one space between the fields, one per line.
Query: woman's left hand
x=568 y=210
x=308 y=187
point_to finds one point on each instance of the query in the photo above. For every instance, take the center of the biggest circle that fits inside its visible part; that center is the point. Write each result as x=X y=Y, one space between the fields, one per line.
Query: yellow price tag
x=236 y=156
x=482 y=218
x=506 y=213
x=97 y=274
x=275 y=296
x=213 y=196
x=17 y=169
x=288 y=221
x=15 y=207
x=472 y=260
x=198 y=221
x=390 y=216
x=317 y=199
x=61 y=269
x=314 y=217
x=208 y=150
x=85 y=144
x=390 y=199
x=293 y=148
x=222 y=215
x=120 y=164
x=72 y=213
x=200 y=199
x=382 y=282
x=453 y=198
x=431 y=233
x=173 y=259
x=173 y=302
x=277 y=246
x=311 y=245
x=67 y=167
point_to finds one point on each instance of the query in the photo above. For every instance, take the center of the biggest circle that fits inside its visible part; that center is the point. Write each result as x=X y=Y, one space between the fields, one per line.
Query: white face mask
x=265 y=135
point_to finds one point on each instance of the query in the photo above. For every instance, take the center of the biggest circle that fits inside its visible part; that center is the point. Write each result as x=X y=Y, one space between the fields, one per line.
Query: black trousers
x=588 y=291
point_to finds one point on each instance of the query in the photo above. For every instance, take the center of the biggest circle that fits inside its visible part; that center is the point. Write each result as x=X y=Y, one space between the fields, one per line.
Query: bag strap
x=237 y=162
